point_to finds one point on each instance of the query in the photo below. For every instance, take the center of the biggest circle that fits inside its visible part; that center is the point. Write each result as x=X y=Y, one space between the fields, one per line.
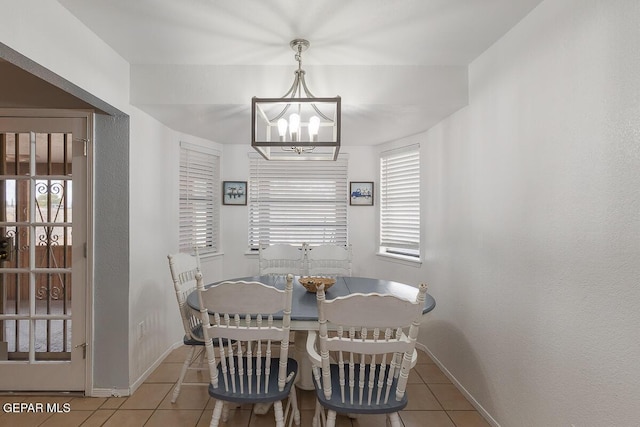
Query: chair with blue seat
x=184 y=268
x=363 y=366
x=243 y=364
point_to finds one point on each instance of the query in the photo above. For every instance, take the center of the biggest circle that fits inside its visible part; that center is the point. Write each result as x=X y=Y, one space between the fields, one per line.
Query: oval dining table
x=304 y=308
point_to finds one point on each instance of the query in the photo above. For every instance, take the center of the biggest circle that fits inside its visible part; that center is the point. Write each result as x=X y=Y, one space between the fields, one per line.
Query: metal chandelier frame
x=319 y=115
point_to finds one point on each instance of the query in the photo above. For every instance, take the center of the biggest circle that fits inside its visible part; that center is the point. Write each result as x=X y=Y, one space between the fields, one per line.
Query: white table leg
x=305 y=376
x=261 y=408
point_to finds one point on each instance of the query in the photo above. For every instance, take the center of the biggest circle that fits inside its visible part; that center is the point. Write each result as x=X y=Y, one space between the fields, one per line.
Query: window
x=297 y=202
x=400 y=202
x=199 y=199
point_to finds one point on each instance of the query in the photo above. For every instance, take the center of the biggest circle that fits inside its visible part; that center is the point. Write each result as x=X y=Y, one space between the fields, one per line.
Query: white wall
x=48 y=34
x=532 y=221
x=154 y=215
x=77 y=55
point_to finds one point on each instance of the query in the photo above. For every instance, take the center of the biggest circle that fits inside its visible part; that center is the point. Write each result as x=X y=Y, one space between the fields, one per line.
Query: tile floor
x=433 y=402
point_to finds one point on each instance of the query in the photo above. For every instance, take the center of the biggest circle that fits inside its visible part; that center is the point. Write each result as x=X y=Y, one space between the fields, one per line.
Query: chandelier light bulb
x=282 y=129
x=294 y=126
x=314 y=127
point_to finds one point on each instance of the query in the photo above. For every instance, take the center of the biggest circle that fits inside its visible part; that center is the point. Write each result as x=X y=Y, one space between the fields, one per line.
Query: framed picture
x=361 y=193
x=234 y=193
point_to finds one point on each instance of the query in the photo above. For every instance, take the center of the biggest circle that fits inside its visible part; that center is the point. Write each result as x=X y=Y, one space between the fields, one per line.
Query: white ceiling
x=400 y=66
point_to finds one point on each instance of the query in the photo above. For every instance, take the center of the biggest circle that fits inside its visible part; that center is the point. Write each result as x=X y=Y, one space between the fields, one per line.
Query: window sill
x=401 y=259
x=211 y=255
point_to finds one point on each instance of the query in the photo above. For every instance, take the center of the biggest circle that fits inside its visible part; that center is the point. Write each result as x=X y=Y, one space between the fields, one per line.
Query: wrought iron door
x=42 y=237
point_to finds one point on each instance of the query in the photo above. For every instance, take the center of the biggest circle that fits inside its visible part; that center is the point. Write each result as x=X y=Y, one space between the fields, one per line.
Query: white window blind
x=199 y=214
x=297 y=202
x=400 y=201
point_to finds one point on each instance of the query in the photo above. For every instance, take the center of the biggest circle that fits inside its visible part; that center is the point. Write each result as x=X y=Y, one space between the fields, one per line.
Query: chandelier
x=298 y=125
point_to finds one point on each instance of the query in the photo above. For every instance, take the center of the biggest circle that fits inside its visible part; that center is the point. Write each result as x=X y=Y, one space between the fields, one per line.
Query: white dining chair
x=249 y=363
x=329 y=260
x=281 y=259
x=363 y=367
x=183 y=268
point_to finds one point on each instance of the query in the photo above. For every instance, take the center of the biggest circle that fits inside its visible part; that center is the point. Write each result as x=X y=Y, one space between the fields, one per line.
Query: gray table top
x=304 y=305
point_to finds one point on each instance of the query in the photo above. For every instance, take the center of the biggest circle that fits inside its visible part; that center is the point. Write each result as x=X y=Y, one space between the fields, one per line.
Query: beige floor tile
x=260 y=420
x=425 y=418
x=450 y=397
x=205 y=419
x=22 y=419
x=306 y=418
x=414 y=377
x=10 y=399
x=431 y=374
x=197 y=376
x=87 y=403
x=263 y=419
x=147 y=396
x=178 y=417
x=191 y=397
x=424 y=358
x=98 y=418
x=70 y=419
x=129 y=418
x=113 y=402
x=468 y=419
x=306 y=399
x=429 y=390
x=238 y=417
x=165 y=373
x=343 y=421
x=379 y=420
x=421 y=398
x=212 y=403
x=178 y=355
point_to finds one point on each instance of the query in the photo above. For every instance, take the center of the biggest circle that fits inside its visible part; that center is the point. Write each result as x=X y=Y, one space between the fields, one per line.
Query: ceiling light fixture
x=296 y=127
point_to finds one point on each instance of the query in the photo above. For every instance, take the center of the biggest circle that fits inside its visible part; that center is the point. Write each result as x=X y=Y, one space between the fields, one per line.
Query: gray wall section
x=111 y=206
x=111 y=252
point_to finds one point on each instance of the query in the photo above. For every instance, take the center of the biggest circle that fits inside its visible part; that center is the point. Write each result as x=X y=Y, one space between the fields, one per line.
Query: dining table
x=304 y=308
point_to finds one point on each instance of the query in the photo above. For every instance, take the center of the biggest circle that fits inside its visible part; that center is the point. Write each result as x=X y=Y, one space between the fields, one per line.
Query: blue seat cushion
x=335 y=402
x=272 y=396
x=196 y=338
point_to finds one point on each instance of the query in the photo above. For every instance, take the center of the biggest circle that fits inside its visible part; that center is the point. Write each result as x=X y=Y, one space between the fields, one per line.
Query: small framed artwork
x=361 y=193
x=234 y=193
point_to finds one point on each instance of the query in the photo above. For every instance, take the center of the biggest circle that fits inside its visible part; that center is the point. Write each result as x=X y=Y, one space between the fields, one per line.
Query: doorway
x=44 y=280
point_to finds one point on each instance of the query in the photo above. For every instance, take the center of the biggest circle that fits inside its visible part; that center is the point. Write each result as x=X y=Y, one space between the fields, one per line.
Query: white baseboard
x=113 y=392
x=110 y=392
x=460 y=387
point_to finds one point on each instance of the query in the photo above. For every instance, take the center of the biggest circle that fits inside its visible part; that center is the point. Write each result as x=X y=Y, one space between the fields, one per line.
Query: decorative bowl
x=311 y=283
